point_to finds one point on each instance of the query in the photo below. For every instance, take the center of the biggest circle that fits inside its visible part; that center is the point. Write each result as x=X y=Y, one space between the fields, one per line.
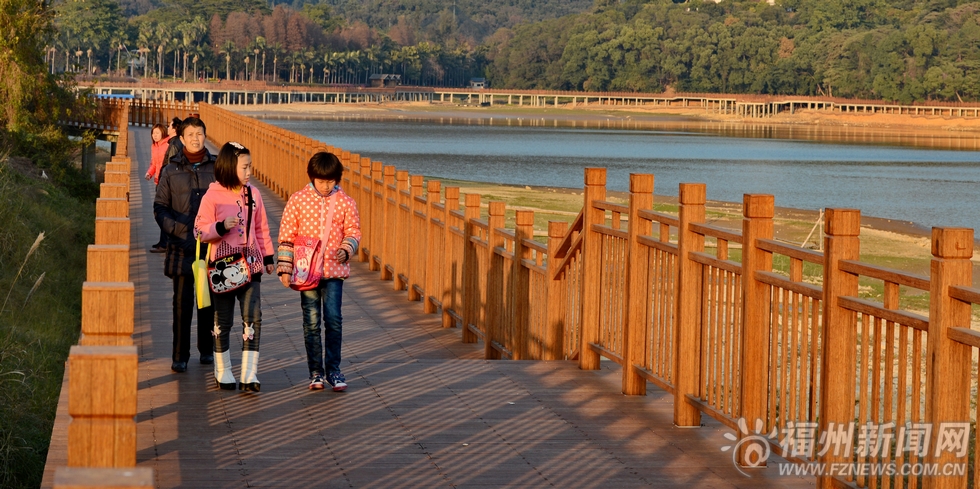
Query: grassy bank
x=40 y=289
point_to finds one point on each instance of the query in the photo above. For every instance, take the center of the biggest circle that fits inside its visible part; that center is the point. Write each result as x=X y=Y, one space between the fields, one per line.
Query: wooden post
x=400 y=228
x=118 y=165
x=386 y=228
x=471 y=285
x=493 y=294
x=107 y=263
x=102 y=478
x=687 y=344
x=948 y=372
x=839 y=356
x=102 y=406
x=415 y=249
x=757 y=213
x=117 y=177
x=377 y=216
x=554 y=341
x=112 y=230
x=107 y=313
x=114 y=191
x=520 y=288
x=451 y=289
x=433 y=253
x=111 y=207
x=595 y=190
x=364 y=209
x=637 y=317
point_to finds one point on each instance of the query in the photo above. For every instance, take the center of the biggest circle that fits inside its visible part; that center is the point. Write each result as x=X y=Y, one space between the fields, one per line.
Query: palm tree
x=308 y=58
x=160 y=61
x=260 y=44
x=327 y=64
x=176 y=43
x=144 y=39
x=276 y=51
x=227 y=49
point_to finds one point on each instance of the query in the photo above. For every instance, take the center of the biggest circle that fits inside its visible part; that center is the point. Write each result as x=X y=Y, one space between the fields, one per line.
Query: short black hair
x=175 y=123
x=325 y=166
x=226 y=165
x=192 y=122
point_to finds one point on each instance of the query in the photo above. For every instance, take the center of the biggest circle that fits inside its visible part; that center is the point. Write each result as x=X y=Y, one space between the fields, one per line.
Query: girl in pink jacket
x=223 y=222
x=321 y=210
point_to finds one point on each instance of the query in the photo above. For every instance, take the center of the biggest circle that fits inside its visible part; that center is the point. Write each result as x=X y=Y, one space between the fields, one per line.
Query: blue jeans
x=328 y=294
x=248 y=299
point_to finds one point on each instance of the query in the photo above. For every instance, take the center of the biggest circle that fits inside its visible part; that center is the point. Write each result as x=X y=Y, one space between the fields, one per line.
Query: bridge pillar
x=88 y=159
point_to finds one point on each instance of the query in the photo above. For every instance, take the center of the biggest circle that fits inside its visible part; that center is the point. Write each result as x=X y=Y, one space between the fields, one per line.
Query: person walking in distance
x=232 y=219
x=183 y=183
x=161 y=142
x=322 y=210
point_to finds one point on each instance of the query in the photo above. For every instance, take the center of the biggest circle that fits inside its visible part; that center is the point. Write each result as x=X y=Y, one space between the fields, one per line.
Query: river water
x=888 y=175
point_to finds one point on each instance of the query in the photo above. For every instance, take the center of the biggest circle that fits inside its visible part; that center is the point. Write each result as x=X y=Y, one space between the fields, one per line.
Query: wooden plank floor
x=422 y=410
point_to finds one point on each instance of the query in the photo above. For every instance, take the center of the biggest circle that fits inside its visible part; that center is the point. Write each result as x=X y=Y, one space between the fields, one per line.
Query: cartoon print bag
x=231 y=272
x=308 y=255
x=307 y=263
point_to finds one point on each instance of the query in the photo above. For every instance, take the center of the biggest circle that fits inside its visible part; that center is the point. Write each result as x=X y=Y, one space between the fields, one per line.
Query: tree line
x=899 y=50
x=904 y=50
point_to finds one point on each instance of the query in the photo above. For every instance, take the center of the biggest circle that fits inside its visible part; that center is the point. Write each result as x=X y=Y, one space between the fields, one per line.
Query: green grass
x=36 y=329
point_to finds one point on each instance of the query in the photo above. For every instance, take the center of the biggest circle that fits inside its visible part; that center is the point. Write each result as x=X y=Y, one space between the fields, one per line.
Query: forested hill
x=893 y=50
x=473 y=20
x=905 y=50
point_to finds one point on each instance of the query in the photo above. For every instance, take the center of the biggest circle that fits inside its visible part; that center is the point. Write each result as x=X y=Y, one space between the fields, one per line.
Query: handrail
x=576 y=227
x=885 y=274
x=717 y=232
x=796 y=252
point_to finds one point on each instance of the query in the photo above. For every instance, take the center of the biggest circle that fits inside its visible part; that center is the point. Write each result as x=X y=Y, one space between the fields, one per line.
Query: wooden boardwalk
x=423 y=409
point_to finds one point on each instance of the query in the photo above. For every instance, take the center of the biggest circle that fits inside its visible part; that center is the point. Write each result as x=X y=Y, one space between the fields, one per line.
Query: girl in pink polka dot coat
x=305 y=215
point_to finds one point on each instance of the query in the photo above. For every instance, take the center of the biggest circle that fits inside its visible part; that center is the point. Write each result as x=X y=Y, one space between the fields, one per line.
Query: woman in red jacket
x=161 y=141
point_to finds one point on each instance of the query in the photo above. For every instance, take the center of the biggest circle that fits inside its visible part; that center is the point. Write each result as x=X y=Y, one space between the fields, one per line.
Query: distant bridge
x=751 y=106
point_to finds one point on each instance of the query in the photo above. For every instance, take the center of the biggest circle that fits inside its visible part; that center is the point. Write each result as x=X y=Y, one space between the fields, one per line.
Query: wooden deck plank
x=422 y=410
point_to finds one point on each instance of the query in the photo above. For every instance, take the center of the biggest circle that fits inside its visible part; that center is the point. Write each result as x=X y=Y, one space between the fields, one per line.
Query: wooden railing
x=102 y=368
x=736 y=325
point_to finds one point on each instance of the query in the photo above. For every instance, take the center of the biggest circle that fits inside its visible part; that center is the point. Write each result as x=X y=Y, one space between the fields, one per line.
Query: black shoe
x=207 y=359
x=179 y=367
x=249 y=386
x=227 y=387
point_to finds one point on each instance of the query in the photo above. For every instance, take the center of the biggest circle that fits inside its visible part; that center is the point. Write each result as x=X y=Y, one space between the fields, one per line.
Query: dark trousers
x=162 y=243
x=248 y=299
x=183 y=313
